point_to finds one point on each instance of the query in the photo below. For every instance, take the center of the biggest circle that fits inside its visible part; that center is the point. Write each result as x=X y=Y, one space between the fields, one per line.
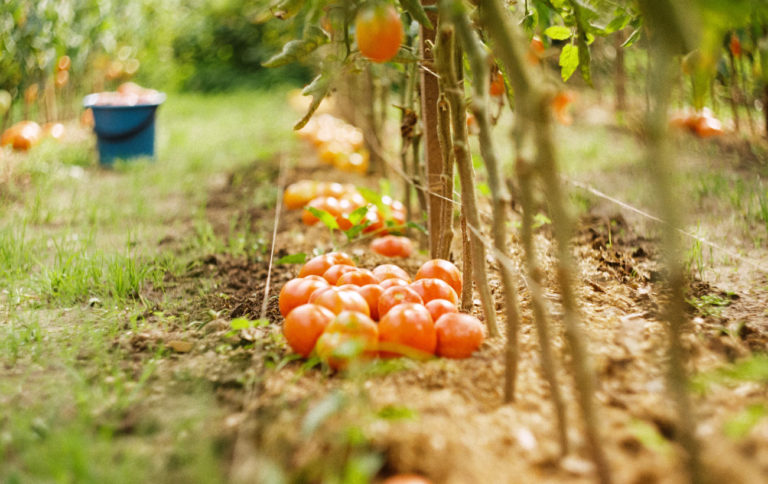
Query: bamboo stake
x=500 y=197
x=443 y=54
x=455 y=95
x=466 y=274
x=533 y=106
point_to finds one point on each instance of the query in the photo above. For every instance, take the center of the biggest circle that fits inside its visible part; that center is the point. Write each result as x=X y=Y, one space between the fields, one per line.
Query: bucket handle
x=127 y=134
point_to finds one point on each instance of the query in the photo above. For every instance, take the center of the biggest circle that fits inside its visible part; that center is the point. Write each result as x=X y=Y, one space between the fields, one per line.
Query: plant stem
x=444 y=52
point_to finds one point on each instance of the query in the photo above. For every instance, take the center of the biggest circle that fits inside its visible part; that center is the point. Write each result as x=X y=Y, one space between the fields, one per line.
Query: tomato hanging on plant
x=378 y=31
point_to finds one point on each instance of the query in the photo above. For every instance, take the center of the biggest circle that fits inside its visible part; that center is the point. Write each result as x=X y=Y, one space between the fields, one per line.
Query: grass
x=78 y=243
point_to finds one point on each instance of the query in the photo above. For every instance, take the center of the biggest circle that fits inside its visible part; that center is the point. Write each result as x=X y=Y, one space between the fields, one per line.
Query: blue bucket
x=123 y=132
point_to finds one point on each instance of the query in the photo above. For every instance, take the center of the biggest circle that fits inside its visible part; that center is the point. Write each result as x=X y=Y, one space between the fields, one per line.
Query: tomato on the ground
x=390 y=271
x=458 y=335
x=438 y=307
x=357 y=277
x=397 y=295
x=304 y=325
x=407 y=327
x=334 y=272
x=349 y=336
x=372 y=293
x=318 y=265
x=296 y=292
x=432 y=288
x=441 y=269
x=392 y=246
x=338 y=300
x=387 y=283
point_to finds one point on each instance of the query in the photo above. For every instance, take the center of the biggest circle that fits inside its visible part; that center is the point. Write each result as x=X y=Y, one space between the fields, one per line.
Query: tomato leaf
x=355 y=230
x=558 y=32
x=619 y=22
x=404 y=56
x=293 y=259
x=585 y=59
x=569 y=61
x=297 y=50
x=632 y=38
x=318 y=89
x=374 y=198
x=416 y=226
x=325 y=217
x=416 y=10
x=356 y=216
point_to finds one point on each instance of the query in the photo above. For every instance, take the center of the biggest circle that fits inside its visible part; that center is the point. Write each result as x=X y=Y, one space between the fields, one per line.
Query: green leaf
x=354 y=231
x=396 y=412
x=569 y=61
x=416 y=10
x=558 y=32
x=374 y=198
x=416 y=226
x=484 y=189
x=618 y=23
x=650 y=437
x=356 y=216
x=238 y=324
x=293 y=259
x=325 y=217
x=740 y=425
x=297 y=50
x=632 y=38
x=318 y=89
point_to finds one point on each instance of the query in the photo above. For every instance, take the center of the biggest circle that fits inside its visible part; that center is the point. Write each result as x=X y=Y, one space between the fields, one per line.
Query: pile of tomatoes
x=337 y=143
x=341 y=201
x=26 y=134
x=128 y=94
x=343 y=313
x=701 y=123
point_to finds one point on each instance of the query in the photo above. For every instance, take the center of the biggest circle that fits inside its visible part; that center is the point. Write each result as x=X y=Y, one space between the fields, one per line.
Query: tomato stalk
x=443 y=54
x=533 y=105
x=500 y=198
x=454 y=93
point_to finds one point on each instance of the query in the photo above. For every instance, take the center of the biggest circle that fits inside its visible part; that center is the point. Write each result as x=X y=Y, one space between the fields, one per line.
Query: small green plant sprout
x=238 y=325
x=298 y=258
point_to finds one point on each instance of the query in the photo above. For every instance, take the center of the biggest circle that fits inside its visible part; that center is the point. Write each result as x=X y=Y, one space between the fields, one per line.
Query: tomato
x=406 y=479
x=387 y=283
x=390 y=271
x=497 y=84
x=536 y=50
x=441 y=269
x=54 y=130
x=29 y=134
x=318 y=265
x=378 y=31
x=64 y=63
x=304 y=325
x=334 y=272
x=358 y=277
x=397 y=295
x=375 y=222
x=560 y=104
x=458 y=335
x=392 y=246
x=298 y=194
x=708 y=126
x=297 y=292
x=338 y=300
x=355 y=199
x=331 y=189
x=372 y=293
x=431 y=288
x=328 y=204
x=438 y=307
x=348 y=336
x=405 y=328
x=735 y=46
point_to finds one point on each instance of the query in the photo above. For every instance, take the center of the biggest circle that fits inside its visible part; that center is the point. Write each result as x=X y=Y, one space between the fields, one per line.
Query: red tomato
x=297 y=292
x=298 y=194
x=430 y=289
x=358 y=277
x=392 y=246
x=372 y=293
x=318 y=265
x=304 y=325
x=387 y=283
x=397 y=295
x=497 y=84
x=378 y=31
x=328 y=204
x=441 y=269
x=334 y=272
x=338 y=300
x=458 y=335
x=407 y=327
x=438 y=307
x=390 y=271
x=349 y=336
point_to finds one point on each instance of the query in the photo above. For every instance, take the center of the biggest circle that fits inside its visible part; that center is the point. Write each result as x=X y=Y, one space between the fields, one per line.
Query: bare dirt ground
x=284 y=419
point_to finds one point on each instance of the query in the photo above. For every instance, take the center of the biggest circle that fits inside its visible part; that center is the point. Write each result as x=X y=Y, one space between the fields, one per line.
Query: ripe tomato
x=387 y=283
x=334 y=272
x=358 y=277
x=328 y=204
x=297 y=292
x=64 y=63
x=438 y=307
x=298 y=194
x=378 y=31
x=318 y=265
x=372 y=293
x=497 y=84
x=392 y=246
x=707 y=126
x=348 y=336
x=458 y=335
x=22 y=135
x=735 y=46
x=390 y=271
x=405 y=328
x=338 y=300
x=397 y=295
x=304 y=325
x=536 y=50
x=441 y=269
x=331 y=189
x=430 y=289
x=375 y=222
x=560 y=104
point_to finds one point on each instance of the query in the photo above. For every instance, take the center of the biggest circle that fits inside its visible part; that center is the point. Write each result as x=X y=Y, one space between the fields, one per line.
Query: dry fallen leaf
x=180 y=346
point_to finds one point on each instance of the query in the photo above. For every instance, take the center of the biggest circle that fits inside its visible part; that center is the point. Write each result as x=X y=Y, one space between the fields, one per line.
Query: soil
x=446 y=419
